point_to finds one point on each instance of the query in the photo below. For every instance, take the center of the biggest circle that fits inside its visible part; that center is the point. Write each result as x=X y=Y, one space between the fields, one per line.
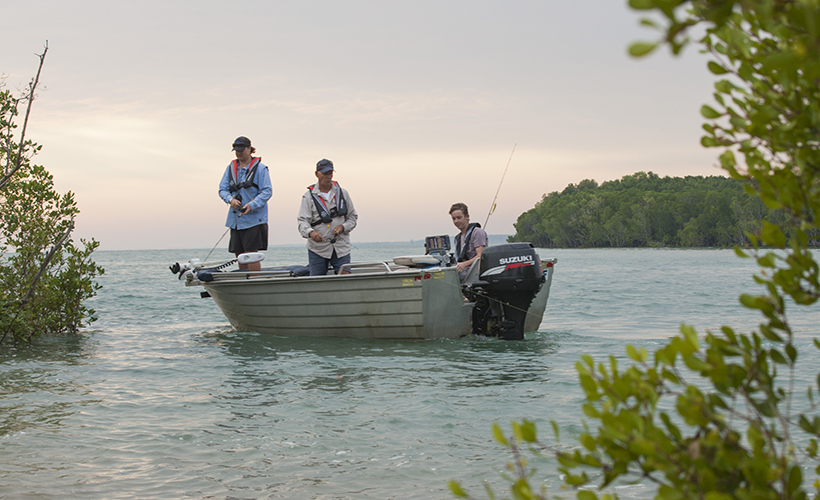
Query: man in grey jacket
x=326 y=218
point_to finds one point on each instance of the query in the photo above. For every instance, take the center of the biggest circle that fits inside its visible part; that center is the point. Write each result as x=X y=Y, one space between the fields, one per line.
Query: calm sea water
x=161 y=398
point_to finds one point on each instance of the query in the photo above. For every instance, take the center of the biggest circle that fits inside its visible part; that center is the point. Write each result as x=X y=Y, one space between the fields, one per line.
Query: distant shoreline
x=495 y=239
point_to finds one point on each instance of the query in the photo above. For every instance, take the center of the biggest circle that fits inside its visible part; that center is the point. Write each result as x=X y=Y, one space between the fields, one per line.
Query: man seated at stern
x=326 y=218
x=470 y=242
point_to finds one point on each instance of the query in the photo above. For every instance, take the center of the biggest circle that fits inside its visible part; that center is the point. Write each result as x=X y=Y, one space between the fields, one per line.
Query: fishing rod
x=492 y=206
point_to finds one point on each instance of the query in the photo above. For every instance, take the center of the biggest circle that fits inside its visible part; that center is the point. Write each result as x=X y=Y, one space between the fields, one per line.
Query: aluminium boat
x=411 y=297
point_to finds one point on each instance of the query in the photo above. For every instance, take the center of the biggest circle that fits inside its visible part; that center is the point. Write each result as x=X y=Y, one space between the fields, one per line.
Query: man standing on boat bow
x=470 y=242
x=246 y=187
x=326 y=218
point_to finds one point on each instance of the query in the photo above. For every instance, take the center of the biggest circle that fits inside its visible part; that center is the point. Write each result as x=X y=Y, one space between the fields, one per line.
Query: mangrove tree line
x=645 y=209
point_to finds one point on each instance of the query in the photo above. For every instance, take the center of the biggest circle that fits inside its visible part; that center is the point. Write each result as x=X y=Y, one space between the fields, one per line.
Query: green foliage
x=710 y=417
x=44 y=277
x=731 y=434
x=644 y=209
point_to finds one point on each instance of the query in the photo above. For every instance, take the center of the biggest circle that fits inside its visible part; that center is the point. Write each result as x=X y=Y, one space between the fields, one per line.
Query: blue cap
x=241 y=143
x=324 y=166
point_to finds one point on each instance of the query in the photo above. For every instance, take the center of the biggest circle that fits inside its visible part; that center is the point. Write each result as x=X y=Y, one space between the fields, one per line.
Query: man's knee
x=338 y=262
x=317 y=264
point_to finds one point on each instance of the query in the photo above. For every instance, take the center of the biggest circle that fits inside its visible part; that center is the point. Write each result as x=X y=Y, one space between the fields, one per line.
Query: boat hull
x=535 y=314
x=412 y=304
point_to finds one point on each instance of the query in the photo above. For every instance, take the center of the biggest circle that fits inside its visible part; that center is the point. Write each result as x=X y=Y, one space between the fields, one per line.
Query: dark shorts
x=252 y=239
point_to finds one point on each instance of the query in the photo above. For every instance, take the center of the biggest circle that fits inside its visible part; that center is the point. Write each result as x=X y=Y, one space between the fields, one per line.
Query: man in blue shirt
x=246 y=187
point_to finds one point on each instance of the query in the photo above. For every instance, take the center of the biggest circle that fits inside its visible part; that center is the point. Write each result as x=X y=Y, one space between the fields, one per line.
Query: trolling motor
x=188 y=270
x=509 y=278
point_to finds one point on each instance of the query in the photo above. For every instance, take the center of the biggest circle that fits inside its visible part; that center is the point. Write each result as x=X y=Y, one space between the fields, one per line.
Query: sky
x=418 y=104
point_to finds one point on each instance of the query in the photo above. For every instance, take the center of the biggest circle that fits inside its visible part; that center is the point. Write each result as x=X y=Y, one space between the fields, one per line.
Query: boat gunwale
x=271 y=276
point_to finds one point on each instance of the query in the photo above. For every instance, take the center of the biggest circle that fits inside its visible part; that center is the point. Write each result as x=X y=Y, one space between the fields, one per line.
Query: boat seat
x=417 y=261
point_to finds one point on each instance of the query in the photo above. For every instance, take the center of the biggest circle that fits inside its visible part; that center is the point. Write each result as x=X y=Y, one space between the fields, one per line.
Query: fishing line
x=492 y=206
x=217 y=243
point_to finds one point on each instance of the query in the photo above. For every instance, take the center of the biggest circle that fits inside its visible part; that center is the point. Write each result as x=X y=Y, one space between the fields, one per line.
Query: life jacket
x=327 y=215
x=461 y=251
x=250 y=177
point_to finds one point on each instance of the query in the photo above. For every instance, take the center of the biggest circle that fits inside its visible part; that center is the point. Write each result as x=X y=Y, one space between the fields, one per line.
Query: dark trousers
x=319 y=264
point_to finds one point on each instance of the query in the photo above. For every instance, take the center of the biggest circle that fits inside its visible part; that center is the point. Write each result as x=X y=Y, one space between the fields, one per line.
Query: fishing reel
x=238 y=197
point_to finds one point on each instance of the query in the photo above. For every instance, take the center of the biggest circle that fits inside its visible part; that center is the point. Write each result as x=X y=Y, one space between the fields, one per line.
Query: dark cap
x=324 y=166
x=241 y=143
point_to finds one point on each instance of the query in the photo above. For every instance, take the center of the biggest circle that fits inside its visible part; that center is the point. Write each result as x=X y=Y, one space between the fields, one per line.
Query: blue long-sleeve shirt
x=257 y=198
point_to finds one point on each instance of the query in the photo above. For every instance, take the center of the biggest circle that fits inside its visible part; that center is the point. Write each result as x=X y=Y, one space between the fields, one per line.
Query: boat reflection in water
x=412 y=297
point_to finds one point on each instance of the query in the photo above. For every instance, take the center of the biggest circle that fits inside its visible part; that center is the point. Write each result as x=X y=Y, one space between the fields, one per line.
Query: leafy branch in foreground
x=44 y=277
x=731 y=430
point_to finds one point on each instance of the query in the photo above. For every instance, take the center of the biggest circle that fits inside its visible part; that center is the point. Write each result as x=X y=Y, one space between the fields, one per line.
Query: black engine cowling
x=509 y=278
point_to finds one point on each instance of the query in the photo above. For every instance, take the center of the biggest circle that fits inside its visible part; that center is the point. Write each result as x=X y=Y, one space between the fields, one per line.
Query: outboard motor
x=509 y=278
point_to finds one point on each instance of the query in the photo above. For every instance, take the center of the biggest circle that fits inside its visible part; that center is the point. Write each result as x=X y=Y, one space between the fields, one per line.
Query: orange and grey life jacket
x=461 y=250
x=250 y=177
x=326 y=215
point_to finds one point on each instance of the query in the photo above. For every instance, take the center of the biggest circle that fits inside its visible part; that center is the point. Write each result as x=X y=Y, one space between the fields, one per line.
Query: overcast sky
x=418 y=104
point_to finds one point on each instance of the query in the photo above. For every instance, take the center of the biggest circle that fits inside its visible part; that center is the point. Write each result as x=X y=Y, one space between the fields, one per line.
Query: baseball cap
x=241 y=143
x=324 y=166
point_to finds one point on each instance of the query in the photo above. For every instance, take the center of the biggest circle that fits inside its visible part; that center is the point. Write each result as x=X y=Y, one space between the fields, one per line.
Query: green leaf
x=716 y=68
x=714 y=495
x=765 y=408
x=529 y=431
x=589 y=385
x=770 y=334
x=499 y=435
x=791 y=352
x=586 y=495
x=640 y=49
x=773 y=235
x=591 y=411
x=575 y=479
x=795 y=479
x=777 y=357
x=670 y=376
x=749 y=301
x=812 y=427
x=521 y=490
x=709 y=112
x=587 y=441
x=641 y=4
x=669 y=493
x=456 y=490
x=812 y=448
